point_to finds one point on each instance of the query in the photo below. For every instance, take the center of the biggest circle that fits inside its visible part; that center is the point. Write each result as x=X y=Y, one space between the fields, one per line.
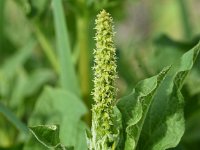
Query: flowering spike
x=103 y=121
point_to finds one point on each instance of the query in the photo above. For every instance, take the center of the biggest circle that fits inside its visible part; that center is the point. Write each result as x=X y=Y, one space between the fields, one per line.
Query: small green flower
x=103 y=121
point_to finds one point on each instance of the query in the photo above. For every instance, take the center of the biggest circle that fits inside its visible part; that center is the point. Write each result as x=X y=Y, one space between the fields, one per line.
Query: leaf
x=33 y=144
x=68 y=78
x=166 y=55
x=81 y=140
x=57 y=106
x=165 y=41
x=22 y=83
x=164 y=125
x=48 y=135
x=135 y=106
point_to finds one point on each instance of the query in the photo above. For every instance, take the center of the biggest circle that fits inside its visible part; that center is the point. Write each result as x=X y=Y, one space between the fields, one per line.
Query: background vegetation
x=46 y=58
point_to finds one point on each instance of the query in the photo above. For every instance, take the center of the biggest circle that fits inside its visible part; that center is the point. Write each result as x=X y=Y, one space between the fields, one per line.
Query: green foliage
x=161 y=125
x=152 y=115
x=165 y=122
x=46 y=76
x=135 y=106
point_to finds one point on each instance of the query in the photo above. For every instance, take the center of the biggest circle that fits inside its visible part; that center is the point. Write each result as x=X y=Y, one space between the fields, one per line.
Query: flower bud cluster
x=105 y=74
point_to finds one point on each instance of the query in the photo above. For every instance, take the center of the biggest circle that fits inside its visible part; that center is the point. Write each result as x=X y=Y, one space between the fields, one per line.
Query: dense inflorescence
x=104 y=93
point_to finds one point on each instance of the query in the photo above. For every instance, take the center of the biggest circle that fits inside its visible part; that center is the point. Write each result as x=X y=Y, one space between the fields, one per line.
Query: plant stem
x=82 y=31
x=2 y=2
x=47 y=49
x=82 y=46
x=185 y=18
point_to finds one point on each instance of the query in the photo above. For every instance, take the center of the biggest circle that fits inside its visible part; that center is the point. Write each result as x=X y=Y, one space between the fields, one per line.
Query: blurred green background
x=40 y=48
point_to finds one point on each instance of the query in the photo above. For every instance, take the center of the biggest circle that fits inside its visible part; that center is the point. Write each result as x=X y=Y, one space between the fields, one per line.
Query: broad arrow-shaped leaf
x=135 y=107
x=157 y=122
x=165 y=123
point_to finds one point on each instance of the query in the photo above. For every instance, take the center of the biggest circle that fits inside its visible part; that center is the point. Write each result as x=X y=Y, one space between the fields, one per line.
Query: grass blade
x=68 y=78
x=47 y=49
x=13 y=119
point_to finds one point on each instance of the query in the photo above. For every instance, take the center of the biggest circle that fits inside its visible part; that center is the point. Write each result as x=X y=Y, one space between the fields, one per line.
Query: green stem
x=82 y=30
x=185 y=18
x=2 y=2
x=104 y=128
x=83 y=63
x=47 y=49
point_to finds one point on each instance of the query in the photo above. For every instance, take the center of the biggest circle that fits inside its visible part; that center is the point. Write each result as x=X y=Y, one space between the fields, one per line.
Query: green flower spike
x=104 y=131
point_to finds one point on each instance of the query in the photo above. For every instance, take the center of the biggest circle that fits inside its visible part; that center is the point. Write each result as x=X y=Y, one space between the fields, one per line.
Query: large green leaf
x=135 y=107
x=68 y=78
x=164 y=125
x=57 y=106
x=157 y=122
